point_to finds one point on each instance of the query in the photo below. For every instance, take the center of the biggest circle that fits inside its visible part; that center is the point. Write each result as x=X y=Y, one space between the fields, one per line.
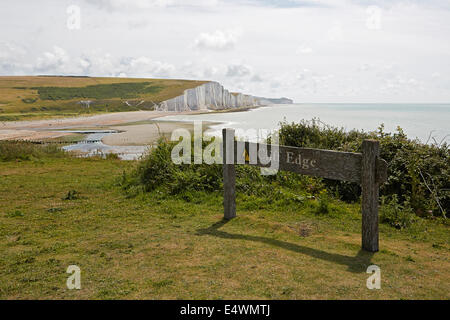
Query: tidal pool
x=92 y=145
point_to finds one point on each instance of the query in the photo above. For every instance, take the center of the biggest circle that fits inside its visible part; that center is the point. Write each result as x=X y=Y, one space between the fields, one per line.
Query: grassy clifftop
x=44 y=96
x=60 y=211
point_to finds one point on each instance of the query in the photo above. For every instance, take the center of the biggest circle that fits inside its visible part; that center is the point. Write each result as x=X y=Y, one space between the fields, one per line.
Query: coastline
x=149 y=133
x=136 y=127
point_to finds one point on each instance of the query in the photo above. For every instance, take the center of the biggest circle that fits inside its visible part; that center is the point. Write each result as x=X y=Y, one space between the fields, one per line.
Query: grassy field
x=23 y=98
x=155 y=246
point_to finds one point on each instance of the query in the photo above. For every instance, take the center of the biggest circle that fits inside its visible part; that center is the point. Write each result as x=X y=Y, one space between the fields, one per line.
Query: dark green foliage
x=417 y=172
x=158 y=172
x=397 y=215
x=29 y=100
x=314 y=134
x=100 y=91
x=71 y=195
x=323 y=206
x=23 y=151
x=414 y=170
x=15 y=214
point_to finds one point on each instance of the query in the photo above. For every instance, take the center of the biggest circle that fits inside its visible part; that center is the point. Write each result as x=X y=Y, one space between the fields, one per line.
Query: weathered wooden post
x=370 y=192
x=229 y=174
x=367 y=169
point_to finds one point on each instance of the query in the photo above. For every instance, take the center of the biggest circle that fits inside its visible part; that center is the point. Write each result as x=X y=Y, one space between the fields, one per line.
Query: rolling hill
x=23 y=97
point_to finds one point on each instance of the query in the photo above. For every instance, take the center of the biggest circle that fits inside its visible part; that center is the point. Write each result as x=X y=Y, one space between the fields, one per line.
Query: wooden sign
x=365 y=168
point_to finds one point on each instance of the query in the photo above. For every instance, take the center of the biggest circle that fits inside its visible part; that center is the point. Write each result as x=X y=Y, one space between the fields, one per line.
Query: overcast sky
x=311 y=51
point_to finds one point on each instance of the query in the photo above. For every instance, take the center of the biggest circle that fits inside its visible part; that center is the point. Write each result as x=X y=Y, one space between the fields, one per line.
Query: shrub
x=24 y=151
x=417 y=172
x=323 y=206
x=99 y=91
x=397 y=215
x=29 y=100
x=417 y=180
x=72 y=195
x=157 y=171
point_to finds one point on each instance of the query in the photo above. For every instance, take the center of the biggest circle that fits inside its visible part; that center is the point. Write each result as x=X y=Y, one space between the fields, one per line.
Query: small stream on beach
x=92 y=145
x=426 y=122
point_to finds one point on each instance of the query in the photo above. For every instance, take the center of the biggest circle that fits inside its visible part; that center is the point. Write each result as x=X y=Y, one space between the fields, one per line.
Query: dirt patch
x=303 y=229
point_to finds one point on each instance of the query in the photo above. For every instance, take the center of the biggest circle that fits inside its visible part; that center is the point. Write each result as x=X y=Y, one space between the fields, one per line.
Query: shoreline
x=136 y=127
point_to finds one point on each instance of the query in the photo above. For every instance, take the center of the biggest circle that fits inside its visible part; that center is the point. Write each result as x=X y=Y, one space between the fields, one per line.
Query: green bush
x=417 y=172
x=29 y=100
x=323 y=206
x=397 y=215
x=99 y=91
x=417 y=180
x=23 y=151
x=158 y=172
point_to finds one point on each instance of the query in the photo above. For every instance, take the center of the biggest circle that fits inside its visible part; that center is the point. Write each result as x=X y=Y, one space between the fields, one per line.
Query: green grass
x=30 y=97
x=155 y=246
x=99 y=91
x=23 y=151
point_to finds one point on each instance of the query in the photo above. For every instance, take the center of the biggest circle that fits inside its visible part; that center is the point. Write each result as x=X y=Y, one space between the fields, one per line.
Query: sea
x=430 y=123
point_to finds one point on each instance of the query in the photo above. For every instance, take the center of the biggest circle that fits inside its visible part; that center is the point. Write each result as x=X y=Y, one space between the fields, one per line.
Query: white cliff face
x=210 y=96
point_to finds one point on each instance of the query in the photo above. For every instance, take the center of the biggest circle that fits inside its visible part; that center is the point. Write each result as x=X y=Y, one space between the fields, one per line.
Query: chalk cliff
x=275 y=101
x=213 y=96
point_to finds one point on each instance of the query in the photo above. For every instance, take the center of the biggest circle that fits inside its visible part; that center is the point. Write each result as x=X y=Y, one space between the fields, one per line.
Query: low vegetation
x=25 y=151
x=23 y=98
x=419 y=174
x=60 y=211
x=418 y=183
x=154 y=230
x=99 y=91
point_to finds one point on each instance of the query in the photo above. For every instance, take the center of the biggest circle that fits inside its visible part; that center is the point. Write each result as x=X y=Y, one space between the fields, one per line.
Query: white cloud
x=304 y=50
x=210 y=72
x=152 y=38
x=145 y=66
x=400 y=83
x=12 y=59
x=53 y=61
x=149 y=4
x=238 y=71
x=435 y=75
x=336 y=32
x=95 y=63
x=257 y=78
x=218 y=40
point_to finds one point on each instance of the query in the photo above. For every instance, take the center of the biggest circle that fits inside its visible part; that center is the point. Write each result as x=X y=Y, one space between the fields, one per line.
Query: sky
x=394 y=51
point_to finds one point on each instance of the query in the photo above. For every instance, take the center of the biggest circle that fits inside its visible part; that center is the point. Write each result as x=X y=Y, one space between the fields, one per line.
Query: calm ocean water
x=417 y=120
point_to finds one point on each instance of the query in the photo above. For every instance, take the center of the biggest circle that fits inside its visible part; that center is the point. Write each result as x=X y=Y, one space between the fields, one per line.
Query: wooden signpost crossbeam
x=366 y=169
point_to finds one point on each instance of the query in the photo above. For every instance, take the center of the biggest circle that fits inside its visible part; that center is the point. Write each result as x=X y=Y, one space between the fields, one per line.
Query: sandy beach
x=143 y=134
x=133 y=134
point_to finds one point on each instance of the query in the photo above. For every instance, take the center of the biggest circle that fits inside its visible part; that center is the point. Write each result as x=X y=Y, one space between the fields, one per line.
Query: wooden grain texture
x=229 y=174
x=382 y=171
x=370 y=194
x=344 y=166
x=365 y=168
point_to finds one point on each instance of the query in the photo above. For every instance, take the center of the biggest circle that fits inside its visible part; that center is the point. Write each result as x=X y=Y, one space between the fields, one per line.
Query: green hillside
x=48 y=96
x=288 y=242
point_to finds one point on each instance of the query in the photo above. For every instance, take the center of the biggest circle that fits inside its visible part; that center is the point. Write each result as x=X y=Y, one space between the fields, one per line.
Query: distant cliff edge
x=213 y=96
